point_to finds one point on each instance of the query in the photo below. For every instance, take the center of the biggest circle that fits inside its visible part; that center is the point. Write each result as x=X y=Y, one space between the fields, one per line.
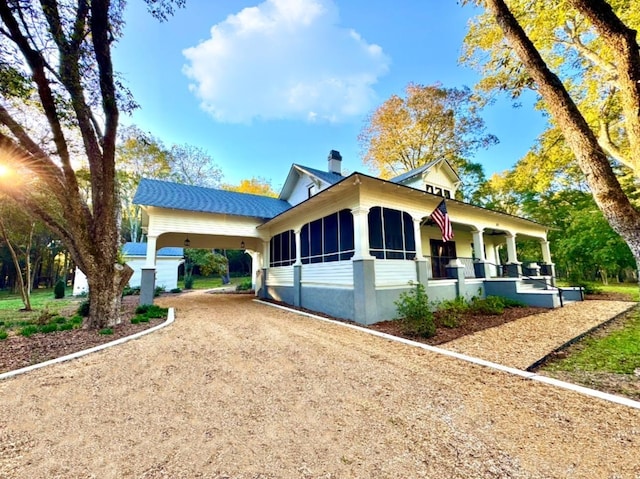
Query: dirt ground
x=236 y=389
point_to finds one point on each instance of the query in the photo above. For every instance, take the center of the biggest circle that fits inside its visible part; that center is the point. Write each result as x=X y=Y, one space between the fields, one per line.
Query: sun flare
x=4 y=171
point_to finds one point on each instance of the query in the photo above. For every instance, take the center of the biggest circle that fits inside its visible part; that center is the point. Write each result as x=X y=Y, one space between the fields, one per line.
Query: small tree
x=415 y=313
x=58 y=289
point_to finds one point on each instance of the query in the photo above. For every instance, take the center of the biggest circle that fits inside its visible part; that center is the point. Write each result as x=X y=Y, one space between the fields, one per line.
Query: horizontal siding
x=336 y=273
x=162 y=220
x=395 y=273
x=280 y=276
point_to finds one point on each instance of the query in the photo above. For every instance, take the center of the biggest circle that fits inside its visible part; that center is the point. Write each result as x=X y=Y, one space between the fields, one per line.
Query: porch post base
x=263 y=289
x=482 y=269
x=365 y=305
x=147 y=284
x=455 y=270
x=514 y=270
x=422 y=273
x=297 y=287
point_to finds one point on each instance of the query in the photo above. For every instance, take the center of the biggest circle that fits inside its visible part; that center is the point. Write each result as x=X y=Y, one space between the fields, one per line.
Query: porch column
x=265 y=268
x=255 y=269
x=365 y=306
x=547 y=268
x=148 y=273
x=514 y=268
x=297 y=270
x=481 y=267
x=361 y=233
x=421 y=261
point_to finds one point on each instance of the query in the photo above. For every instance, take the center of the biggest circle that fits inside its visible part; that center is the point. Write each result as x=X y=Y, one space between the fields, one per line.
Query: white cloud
x=285 y=59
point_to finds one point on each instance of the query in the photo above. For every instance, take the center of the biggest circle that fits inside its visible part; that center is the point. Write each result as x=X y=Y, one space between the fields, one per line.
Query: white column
x=265 y=254
x=546 y=252
x=296 y=233
x=361 y=233
x=151 y=252
x=512 y=256
x=255 y=266
x=478 y=243
x=418 y=238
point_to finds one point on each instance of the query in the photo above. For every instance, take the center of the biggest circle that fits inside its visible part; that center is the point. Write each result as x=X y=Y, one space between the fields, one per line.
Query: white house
x=169 y=259
x=349 y=246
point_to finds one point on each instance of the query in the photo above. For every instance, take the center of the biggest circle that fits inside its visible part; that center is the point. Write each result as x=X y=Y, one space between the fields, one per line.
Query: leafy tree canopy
x=254 y=186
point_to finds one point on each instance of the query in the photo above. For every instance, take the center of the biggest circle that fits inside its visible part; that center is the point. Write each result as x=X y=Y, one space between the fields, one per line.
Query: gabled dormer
x=303 y=182
x=436 y=177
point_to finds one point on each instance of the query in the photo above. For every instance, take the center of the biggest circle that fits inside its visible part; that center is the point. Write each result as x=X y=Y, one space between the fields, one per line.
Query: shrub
x=83 y=309
x=60 y=320
x=413 y=311
x=77 y=319
x=128 y=291
x=44 y=317
x=106 y=331
x=28 y=330
x=244 y=285
x=65 y=326
x=449 y=313
x=48 y=328
x=135 y=320
x=176 y=290
x=156 y=312
x=492 y=305
x=188 y=282
x=58 y=289
x=158 y=291
x=144 y=318
x=143 y=308
x=3 y=335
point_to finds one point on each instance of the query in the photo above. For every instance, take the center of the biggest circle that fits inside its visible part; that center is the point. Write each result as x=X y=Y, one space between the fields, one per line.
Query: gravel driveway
x=236 y=389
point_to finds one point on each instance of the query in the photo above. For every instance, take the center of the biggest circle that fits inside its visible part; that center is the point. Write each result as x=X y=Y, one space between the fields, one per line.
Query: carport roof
x=166 y=194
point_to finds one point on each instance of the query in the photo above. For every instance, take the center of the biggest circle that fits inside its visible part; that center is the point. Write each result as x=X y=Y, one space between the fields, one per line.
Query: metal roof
x=166 y=194
x=140 y=249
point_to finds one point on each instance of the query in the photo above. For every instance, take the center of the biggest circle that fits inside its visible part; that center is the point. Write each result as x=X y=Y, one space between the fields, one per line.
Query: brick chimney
x=335 y=162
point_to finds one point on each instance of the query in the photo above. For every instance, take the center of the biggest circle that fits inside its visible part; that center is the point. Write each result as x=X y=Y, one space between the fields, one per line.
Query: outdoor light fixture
x=242 y=245
x=187 y=243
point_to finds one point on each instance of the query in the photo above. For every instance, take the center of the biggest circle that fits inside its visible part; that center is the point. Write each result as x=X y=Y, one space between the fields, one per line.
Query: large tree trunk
x=593 y=161
x=105 y=295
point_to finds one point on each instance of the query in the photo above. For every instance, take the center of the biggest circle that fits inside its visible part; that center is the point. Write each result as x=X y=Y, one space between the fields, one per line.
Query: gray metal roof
x=140 y=249
x=414 y=172
x=165 y=194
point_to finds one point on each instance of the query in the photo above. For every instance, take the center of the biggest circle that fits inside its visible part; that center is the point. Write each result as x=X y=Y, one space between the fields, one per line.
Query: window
x=282 y=249
x=391 y=234
x=328 y=239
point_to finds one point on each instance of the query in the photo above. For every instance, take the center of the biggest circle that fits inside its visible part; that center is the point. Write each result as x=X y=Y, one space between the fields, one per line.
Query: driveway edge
x=470 y=359
x=170 y=319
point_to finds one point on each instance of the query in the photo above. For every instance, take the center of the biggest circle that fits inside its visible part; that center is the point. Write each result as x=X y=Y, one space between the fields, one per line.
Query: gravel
x=236 y=389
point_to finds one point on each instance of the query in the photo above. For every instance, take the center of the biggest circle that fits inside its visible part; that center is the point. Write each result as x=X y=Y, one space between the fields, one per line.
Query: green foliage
x=29 y=330
x=414 y=312
x=83 y=309
x=76 y=320
x=188 y=282
x=48 y=328
x=176 y=290
x=145 y=312
x=244 y=285
x=492 y=305
x=143 y=308
x=106 y=331
x=158 y=291
x=44 y=317
x=129 y=291
x=60 y=320
x=66 y=326
x=3 y=334
x=449 y=312
x=58 y=289
x=135 y=320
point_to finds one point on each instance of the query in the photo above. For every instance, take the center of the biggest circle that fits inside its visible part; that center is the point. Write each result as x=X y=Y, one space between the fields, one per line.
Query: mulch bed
x=17 y=351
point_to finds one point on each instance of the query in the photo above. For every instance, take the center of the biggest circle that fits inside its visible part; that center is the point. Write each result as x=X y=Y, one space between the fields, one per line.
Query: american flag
x=441 y=217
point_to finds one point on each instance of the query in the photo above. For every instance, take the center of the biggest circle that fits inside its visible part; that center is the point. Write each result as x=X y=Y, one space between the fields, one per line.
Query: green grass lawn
x=41 y=300
x=203 y=282
x=630 y=289
x=618 y=352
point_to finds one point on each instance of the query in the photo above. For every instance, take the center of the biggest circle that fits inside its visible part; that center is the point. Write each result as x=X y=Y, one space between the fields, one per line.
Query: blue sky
x=262 y=85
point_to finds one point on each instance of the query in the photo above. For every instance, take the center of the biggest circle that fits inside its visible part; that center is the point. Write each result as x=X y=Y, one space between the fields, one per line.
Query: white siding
x=280 y=276
x=394 y=273
x=337 y=273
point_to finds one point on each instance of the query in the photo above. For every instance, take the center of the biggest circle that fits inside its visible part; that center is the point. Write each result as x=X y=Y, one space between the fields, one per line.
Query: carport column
x=547 y=267
x=265 y=267
x=480 y=265
x=514 y=267
x=148 y=273
x=421 y=262
x=297 y=270
x=365 y=306
x=255 y=268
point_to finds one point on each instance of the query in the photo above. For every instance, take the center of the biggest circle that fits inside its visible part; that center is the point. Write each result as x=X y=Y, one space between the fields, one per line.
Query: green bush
x=143 y=308
x=176 y=290
x=492 y=305
x=3 y=335
x=58 y=289
x=76 y=320
x=135 y=320
x=106 y=331
x=83 y=309
x=158 y=291
x=415 y=314
x=449 y=313
x=244 y=285
x=28 y=330
x=65 y=326
x=60 y=320
x=128 y=291
x=188 y=282
x=144 y=318
x=48 y=328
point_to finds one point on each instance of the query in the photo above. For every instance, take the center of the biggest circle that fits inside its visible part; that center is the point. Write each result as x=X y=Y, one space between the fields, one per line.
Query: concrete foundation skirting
x=470 y=359
x=100 y=347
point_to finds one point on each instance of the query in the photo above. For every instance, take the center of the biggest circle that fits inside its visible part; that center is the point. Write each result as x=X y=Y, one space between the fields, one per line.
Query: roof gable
x=425 y=169
x=324 y=179
x=166 y=194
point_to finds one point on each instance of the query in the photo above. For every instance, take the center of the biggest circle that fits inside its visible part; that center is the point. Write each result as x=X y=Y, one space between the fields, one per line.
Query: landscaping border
x=9 y=374
x=470 y=359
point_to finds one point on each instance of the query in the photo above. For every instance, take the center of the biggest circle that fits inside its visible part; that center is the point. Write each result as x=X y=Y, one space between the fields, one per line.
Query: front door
x=441 y=253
